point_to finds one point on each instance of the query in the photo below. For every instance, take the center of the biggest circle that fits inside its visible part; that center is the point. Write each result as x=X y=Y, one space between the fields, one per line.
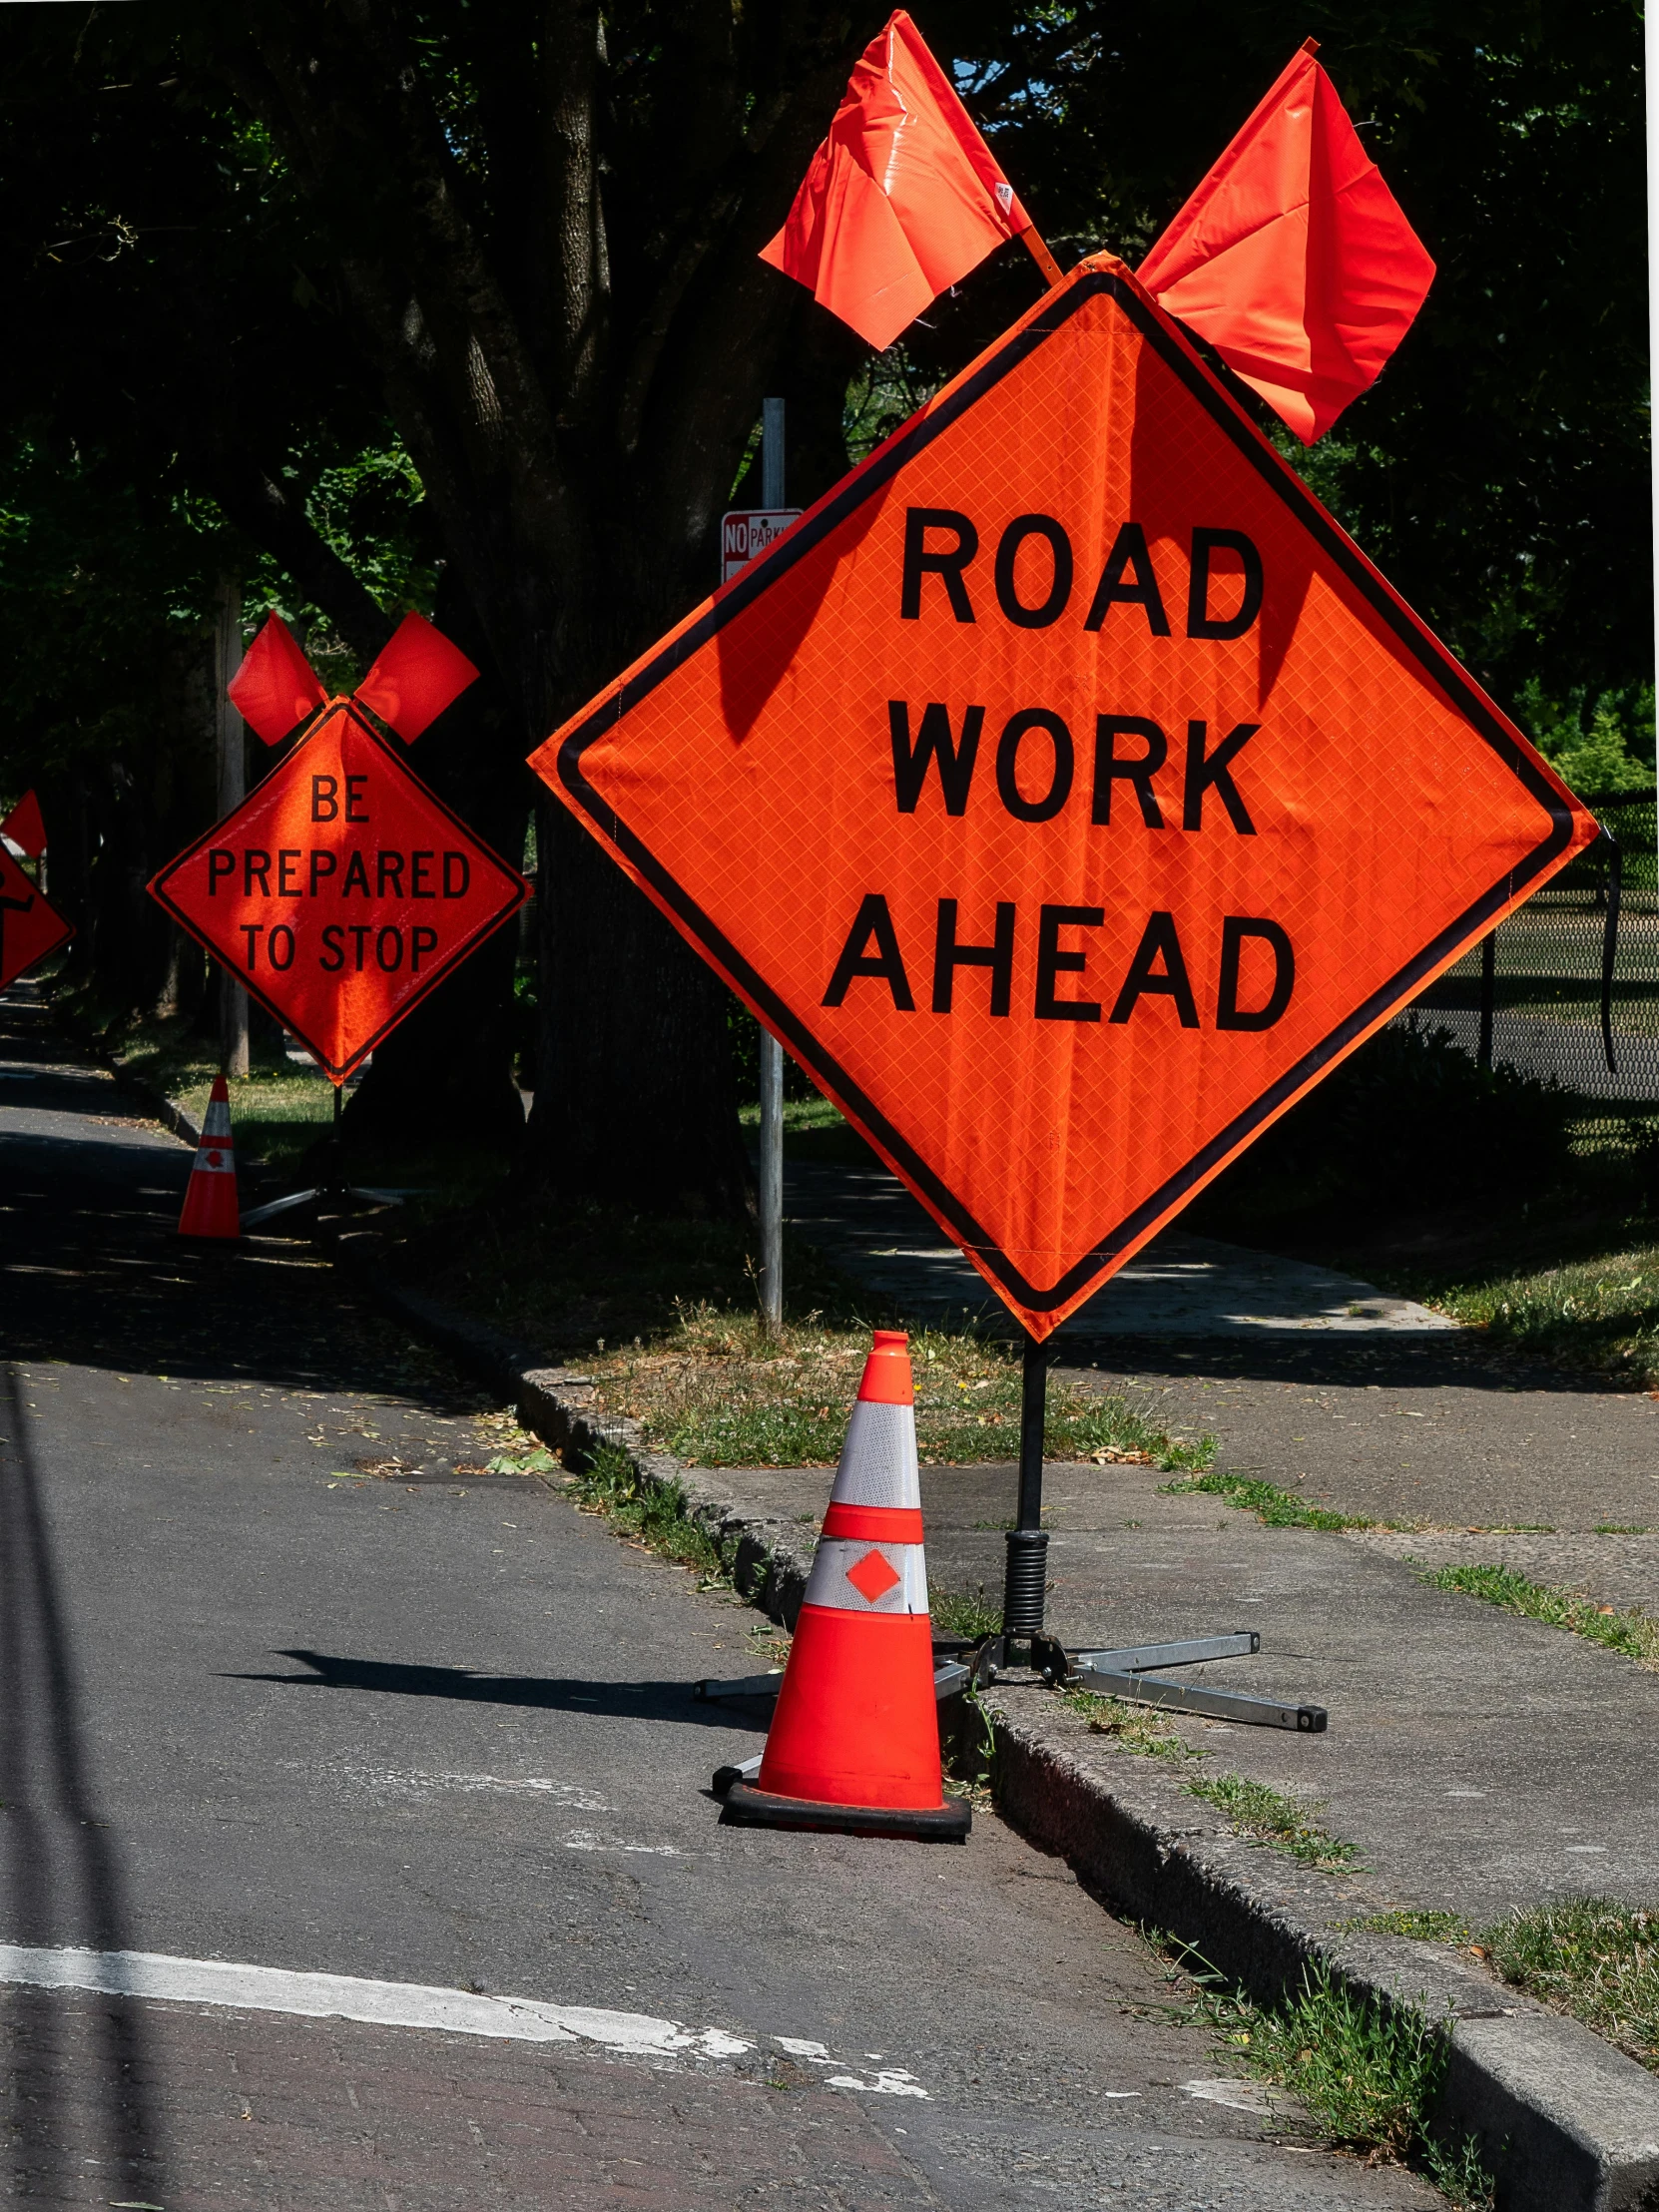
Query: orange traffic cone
x=855 y=1740
x=211 y=1205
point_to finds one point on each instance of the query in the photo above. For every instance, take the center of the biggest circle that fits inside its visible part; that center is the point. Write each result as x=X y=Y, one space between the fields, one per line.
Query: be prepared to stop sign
x=342 y=890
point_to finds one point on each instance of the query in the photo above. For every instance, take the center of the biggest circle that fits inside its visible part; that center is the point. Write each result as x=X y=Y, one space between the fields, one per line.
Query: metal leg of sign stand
x=1125 y=1673
x=1130 y=1671
x=332 y=1186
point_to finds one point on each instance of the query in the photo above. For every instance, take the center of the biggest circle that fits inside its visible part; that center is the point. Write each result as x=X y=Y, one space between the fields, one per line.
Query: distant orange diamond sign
x=1067 y=792
x=29 y=928
x=340 y=891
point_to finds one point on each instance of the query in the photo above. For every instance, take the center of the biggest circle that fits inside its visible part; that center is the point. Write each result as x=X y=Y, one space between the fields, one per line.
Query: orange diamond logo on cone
x=872 y=1577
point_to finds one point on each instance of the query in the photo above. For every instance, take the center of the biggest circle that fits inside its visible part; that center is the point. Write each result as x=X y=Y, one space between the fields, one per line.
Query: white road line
x=239 y=1988
x=142 y=1974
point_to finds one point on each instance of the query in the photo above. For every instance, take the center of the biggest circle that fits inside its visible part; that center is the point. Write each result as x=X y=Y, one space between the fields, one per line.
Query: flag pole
x=1033 y=244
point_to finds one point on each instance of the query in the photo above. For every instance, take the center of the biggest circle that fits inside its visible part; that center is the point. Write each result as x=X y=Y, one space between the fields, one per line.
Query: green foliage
x=1367 y=2076
x=1603 y=1313
x=1278 y=1508
x=657 y=1515
x=969 y=1613
x=1135 y=1728
x=1421 y=1926
x=1600 y=742
x=1409 y=1120
x=1594 y=1958
x=1635 y=1634
x=1269 y=1817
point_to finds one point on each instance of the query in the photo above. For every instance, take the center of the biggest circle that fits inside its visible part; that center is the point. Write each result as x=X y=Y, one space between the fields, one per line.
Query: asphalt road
x=292 y=1684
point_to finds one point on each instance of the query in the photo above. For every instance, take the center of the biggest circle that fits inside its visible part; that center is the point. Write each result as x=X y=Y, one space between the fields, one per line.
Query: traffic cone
x=854 y=1739
x=210 y=1204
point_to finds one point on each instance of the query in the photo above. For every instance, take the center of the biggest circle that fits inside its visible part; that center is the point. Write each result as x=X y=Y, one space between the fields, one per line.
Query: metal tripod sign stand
x=1132 y=1671
x=1068 y=794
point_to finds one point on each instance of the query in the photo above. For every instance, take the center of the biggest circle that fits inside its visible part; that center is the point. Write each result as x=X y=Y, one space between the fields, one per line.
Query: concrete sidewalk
x=864 y=1220
x=1478 y=1761
x=1316 y=1383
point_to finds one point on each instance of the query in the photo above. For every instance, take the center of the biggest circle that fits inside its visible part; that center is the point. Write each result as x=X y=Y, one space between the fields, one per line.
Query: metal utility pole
x=233 y=788
x=771 y=1052
x=1650 y=38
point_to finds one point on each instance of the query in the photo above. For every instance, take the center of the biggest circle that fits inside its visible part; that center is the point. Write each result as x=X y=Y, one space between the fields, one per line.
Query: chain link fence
x=1569 y=987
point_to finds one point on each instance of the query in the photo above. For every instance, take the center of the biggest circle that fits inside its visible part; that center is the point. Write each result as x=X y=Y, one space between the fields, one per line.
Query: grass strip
x=1278 y=1508
x=1267 y=1817
x=716 y=1390
x=1635 y=1634
x=1365 y=2076
x=1590 y=1957
x=1601 y=1312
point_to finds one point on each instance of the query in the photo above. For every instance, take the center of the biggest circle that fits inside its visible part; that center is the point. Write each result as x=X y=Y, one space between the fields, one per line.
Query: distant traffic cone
x=854 y=1739
x=210 y=1204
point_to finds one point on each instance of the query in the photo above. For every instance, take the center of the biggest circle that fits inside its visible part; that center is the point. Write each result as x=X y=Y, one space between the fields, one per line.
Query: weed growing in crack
x=1278 y=1508
x=968 y=1613
x=1135 y=1728
x=655 y=1515
x=1267 y=1817
x=1635 y=1634
x=1422 y=1927
x=1366 y=2076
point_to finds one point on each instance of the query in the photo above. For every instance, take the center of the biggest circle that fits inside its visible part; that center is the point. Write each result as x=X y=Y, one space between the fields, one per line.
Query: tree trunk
x=635 y=1094
x=446 y=1070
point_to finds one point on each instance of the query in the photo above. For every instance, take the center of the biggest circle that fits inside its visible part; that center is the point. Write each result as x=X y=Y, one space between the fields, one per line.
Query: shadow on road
x=640 y=1701
x=61 y=1879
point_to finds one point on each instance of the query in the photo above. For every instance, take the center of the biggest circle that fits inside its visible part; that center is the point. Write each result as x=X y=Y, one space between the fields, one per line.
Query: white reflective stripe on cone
x=218 y=1121
x=215 y=1160
x=868 y=1579
x=878 y=1459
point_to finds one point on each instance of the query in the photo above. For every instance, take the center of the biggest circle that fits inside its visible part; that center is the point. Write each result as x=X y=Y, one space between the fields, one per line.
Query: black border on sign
x=339 y=1070
x=884 y=465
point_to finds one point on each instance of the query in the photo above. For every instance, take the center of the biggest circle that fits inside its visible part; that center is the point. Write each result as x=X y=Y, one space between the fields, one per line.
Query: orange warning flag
x=1293 y=257
x=25 y=826
x=275 y=689
x=1067 y=792
x=903 y=197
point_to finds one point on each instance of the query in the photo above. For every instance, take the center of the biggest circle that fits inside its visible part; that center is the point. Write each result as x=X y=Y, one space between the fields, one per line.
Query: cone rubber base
x=748 y=1807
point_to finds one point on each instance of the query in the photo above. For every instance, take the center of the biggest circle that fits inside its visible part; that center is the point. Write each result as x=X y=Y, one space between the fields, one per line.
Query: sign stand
x=771 y=1052
x=333 y=1183
x=1125 y=1672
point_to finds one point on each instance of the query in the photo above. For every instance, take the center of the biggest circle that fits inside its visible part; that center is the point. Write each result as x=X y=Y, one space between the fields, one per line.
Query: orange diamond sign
x=1067 y=792
x=341 y=891
x=29 y=928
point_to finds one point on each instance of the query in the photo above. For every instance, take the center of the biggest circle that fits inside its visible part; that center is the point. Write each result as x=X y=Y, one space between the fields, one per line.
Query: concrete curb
x=1565 y=2122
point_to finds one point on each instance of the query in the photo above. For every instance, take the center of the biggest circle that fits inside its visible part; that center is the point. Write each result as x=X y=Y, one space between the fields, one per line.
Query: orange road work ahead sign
x=340 y=891
x=1067 y=792
x=29 y=928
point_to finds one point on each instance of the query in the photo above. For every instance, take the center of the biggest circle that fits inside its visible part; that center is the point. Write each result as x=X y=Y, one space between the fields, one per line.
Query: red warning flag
x=903 y=197
x=25 y=826
x=1293 y=257
x=274 y=687
x=417 y=675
